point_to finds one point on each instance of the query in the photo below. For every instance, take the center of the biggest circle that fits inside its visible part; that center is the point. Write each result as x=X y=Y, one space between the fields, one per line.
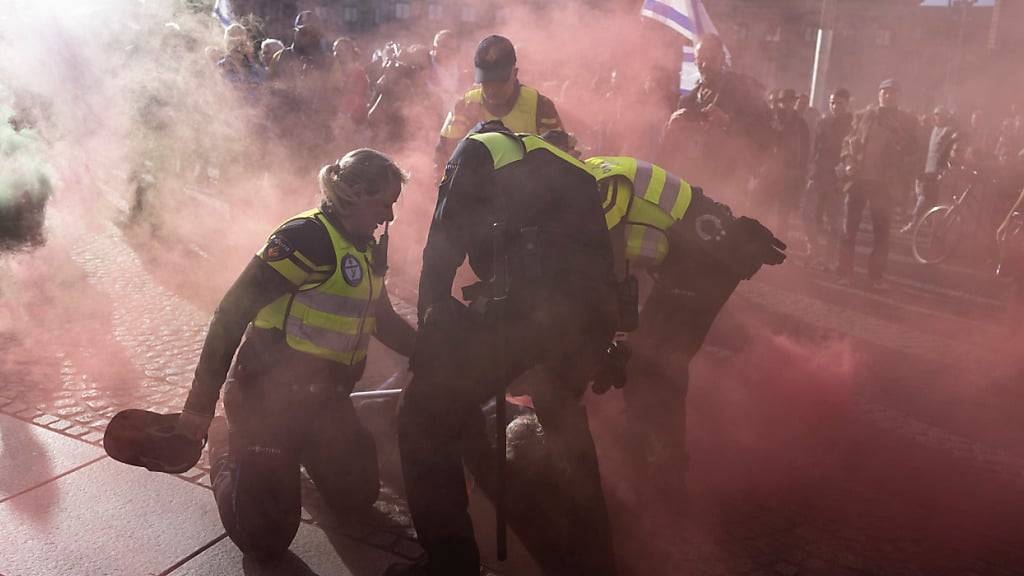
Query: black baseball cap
x=494 y=59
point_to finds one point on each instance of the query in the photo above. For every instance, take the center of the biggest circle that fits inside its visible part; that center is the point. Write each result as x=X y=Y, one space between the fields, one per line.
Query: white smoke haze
x=26 y=170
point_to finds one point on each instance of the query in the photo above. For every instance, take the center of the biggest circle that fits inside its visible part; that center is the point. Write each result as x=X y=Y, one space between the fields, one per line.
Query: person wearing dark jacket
x=822 y=203
x=880 y=151
x=307 y=304
x=782 y=179
x=528 y=216
x=719 y=133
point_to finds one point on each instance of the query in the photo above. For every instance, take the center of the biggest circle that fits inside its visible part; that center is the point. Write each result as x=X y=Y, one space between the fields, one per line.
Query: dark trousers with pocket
x=822 y=212
x=281 y=418
x=673 y=326
x=454 y=375
x=876 y=195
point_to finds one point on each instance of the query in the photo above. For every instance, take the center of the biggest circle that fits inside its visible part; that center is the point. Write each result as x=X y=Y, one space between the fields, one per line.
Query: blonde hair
x=360 y=173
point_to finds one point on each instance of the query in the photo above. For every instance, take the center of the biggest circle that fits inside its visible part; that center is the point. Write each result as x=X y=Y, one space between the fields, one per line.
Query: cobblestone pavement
x=157 y=335
x=895 y=476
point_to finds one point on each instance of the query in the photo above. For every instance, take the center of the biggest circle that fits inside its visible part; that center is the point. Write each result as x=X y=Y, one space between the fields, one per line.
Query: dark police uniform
x=559 y=317
x=307 y=304
x=697 y=252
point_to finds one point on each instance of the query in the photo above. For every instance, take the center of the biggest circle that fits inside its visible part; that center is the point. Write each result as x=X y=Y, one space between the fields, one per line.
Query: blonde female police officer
x=308 y=303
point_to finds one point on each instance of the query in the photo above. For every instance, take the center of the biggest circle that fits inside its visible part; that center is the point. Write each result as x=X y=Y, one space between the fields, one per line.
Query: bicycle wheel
x=937 y=234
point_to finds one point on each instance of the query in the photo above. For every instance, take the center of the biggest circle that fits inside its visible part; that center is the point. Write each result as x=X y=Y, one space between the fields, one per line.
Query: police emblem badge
x=351 y=270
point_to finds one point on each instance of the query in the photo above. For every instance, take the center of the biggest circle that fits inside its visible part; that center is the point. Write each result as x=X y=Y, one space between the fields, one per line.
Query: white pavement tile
x=31 y=455
x=313 y=553
x=107 y=518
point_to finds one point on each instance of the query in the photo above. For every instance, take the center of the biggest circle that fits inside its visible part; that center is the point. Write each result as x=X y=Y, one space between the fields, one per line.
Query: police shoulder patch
x=709 y=228
x=278 y=248
x=351 y=270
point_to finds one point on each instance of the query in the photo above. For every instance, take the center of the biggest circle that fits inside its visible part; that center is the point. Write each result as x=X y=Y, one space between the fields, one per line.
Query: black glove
x=751 y=246
x=612 y=372
x=443 y=326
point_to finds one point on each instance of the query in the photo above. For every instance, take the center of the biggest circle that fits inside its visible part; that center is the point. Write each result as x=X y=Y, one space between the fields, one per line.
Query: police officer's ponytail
x=362 y=172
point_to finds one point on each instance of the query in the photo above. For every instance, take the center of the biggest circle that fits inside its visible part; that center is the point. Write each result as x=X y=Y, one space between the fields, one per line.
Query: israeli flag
x=688 y=17
x=223 y=13
x=688 y=75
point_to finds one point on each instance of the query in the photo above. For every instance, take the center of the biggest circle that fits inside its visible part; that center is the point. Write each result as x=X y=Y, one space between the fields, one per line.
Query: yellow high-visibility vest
x=508 y=148
x=522 y=117
x=333 y=320
x=645 y=198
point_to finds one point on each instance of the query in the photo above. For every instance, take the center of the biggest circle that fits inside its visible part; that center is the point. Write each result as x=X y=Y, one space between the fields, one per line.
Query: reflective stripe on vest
x=508 y=148
x=646 y=237
x=657 y=200
x=650 y=182
x=522 y=117
x=333 y=320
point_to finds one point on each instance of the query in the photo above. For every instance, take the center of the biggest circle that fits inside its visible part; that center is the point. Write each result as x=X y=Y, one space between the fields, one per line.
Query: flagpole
x=822 y=53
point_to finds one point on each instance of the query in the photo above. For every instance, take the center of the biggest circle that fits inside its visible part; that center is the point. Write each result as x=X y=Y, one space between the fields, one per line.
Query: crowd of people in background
x=785 y=158
x=810 y=174
x=319 y=87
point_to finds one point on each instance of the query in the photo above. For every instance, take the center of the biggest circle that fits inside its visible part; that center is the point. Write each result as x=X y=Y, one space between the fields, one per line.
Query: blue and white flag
x=688 y=74
x=688 y=17
x=223 y=13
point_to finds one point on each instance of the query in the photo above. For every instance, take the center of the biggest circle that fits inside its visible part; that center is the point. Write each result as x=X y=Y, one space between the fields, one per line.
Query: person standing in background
x=784 y=175
x=881 y=148
x=940 y=144
x=822 y=208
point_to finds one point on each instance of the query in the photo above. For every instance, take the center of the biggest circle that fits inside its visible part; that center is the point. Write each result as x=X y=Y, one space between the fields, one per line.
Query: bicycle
x=1011 y=242
x=941 y=230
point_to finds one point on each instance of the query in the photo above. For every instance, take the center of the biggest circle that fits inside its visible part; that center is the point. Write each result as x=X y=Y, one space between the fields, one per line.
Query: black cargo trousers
x=283 y=415
x=674 y=321
x=455 y=372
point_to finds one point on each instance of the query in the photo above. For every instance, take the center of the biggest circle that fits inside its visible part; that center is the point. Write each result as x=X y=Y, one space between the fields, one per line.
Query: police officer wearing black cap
x=498 y=95
x=528 y=216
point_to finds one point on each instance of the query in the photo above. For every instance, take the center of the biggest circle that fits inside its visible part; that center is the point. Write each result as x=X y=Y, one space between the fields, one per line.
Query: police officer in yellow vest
x=696 y=252
x=498 y=95
x=554 y=278
x=308 y=304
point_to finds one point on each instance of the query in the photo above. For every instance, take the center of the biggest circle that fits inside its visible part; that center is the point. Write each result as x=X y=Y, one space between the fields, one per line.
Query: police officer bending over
x=696 y=253
x=528 y=216
x=308 y=304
